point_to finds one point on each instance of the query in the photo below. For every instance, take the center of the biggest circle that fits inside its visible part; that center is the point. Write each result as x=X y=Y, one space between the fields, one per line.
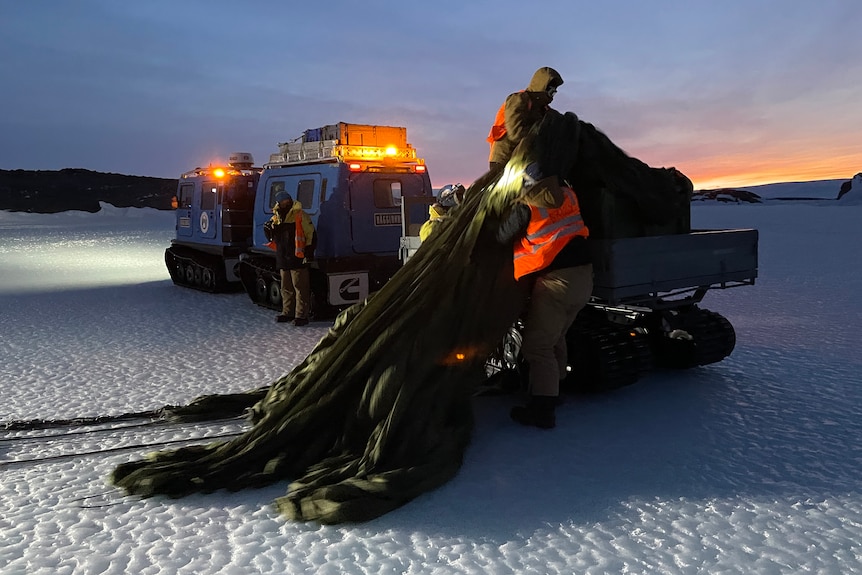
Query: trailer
x=645 y=310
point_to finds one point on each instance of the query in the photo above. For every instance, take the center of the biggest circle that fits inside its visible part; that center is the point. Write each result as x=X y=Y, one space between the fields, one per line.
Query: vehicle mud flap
x=694 y=337
x=604 y=355
x=321 y=309
x=175 y=267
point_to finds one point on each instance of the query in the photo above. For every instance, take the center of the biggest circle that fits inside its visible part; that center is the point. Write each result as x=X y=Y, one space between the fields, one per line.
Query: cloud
x=149 y=87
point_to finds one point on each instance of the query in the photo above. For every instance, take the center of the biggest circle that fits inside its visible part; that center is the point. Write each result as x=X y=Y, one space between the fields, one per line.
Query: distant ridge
x=46 y=192
x=784 y=191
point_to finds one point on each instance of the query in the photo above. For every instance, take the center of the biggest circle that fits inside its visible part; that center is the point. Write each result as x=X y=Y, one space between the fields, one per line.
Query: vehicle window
x=387 y=193
x=209 y=191
x=305 y=193
x=187 y=194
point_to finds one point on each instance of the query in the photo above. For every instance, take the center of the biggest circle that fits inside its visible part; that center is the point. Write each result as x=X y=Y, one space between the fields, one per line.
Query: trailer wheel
x=507 y=355
x=505 y=368
x=696 y=337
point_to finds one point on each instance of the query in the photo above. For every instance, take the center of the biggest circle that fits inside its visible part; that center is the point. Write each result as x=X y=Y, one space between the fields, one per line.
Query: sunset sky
x=732 y=93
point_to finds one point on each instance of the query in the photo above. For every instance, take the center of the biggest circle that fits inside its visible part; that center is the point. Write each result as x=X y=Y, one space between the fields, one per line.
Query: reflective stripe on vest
x=299 y=238
x=548 y=233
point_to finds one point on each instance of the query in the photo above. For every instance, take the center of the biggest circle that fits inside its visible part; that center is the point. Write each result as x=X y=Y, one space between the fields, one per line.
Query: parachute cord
x=33 y=424
x=36 y=460
x=58 y=436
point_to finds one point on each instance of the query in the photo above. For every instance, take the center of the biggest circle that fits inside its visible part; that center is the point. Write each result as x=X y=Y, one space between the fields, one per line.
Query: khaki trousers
x=295 y=292
x=556 y=299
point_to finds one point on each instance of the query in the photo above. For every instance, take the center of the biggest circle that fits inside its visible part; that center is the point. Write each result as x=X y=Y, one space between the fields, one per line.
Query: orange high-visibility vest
x=498 y=130
x=549 y=231
x=299 y=238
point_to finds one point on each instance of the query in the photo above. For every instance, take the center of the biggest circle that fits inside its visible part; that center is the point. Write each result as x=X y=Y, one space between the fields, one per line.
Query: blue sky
x=734 y=92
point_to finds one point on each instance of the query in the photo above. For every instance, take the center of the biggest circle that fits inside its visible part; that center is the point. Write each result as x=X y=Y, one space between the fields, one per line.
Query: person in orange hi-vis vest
x=549 y=240
x=520 y=112
x=291 y=230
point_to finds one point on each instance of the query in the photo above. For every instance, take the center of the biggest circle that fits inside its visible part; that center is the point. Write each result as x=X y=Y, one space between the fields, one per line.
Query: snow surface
x=750 y=465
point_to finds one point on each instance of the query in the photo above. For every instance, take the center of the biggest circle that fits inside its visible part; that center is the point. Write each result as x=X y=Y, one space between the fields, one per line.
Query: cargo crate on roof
x=365 y=135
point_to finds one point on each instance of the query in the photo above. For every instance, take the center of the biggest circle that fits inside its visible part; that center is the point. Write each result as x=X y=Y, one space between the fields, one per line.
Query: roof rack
x=220 y=172
x=332 y=150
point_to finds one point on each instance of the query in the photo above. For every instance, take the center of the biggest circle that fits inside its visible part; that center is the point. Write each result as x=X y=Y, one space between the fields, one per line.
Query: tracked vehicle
x=214 y=224
x=349 y=178
x=645 y=312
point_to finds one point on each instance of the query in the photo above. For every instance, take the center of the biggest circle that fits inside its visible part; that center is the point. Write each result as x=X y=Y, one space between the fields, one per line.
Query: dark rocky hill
x=729 y=195
x=46 y=192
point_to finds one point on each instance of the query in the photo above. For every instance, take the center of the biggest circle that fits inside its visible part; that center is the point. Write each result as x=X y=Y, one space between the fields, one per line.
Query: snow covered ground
x=751 y=465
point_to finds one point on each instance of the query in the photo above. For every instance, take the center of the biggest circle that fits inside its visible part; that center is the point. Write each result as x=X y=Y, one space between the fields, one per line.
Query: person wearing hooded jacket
x=293 y=233
x=450 y=196
x=520 y=112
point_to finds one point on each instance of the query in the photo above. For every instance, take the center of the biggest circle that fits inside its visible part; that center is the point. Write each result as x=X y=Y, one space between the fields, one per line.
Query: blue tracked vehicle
x=349 y=178
x=214 y=211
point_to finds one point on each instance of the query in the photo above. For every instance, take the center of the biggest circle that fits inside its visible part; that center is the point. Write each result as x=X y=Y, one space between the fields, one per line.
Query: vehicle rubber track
x=198 y=271
x=261 y=281
x=604 y=355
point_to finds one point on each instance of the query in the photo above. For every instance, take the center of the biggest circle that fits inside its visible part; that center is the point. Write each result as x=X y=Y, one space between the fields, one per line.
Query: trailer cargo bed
x=641 y=270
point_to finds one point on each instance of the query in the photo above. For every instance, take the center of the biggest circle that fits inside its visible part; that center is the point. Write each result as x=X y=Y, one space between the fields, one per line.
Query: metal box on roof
x=365 y=135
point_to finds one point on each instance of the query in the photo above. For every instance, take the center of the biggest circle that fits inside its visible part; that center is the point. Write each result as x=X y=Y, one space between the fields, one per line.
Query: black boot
x=539 y=412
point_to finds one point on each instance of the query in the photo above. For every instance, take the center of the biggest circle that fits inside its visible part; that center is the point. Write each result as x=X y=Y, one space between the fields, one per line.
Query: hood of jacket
x=543 y=79
x=289 y=216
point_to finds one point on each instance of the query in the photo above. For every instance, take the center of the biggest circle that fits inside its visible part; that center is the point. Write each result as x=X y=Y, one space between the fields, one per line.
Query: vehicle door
x=237 y=209
x=303 y=187
x=375 y=208
x=185 y=199
x=206 y=216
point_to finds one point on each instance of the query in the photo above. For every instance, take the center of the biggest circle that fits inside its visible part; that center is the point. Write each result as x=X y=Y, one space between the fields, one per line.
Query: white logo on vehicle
x=348 y=288
x=205 y=222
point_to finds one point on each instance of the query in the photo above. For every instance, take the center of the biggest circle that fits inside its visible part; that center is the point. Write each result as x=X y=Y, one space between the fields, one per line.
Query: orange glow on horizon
x=737 y=171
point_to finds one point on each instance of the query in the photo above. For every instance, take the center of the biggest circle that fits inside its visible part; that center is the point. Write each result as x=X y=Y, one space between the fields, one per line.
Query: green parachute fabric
x=380 y=410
